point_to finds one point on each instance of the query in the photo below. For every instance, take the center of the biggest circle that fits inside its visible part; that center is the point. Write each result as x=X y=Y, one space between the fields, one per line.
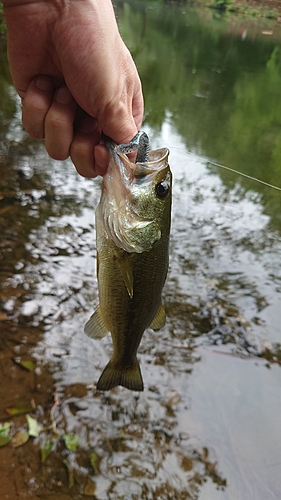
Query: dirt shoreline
x=263 y=4
x=252 y=8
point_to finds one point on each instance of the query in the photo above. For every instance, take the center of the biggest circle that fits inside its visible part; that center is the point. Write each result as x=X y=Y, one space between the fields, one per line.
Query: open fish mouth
x=147 y=161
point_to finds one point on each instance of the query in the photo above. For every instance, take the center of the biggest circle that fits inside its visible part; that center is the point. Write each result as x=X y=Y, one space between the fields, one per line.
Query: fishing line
x=244 y=175
x=234 y=171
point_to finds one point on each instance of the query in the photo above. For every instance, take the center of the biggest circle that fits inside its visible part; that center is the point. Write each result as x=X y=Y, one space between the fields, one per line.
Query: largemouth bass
x=132 y=227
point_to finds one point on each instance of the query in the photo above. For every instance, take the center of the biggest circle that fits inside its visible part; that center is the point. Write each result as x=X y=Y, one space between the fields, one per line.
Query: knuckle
x=55 y=121
x=77 y=150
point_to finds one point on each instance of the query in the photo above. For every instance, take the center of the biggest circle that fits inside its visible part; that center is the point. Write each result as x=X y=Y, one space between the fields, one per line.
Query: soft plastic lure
x=139 y=143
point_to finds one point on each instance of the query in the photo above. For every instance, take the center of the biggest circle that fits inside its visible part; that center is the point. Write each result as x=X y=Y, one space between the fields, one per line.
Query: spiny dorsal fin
x=130 y=378
x=95 y=327
x=127 y=272
x=159 y=319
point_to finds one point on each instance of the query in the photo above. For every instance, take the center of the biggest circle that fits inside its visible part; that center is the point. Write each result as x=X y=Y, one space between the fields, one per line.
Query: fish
x=133 y=221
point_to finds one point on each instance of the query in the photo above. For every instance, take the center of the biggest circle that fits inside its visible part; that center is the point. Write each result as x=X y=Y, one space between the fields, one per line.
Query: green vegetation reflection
x=221 y=92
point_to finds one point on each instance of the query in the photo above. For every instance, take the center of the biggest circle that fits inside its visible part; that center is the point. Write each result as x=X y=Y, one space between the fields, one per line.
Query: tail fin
x=127 y=377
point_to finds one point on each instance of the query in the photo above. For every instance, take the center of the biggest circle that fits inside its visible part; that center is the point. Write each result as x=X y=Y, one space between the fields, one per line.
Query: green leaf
x=95 y=462
x=20 y=438
x=46 y=449
x=19 y=409
x=71 y=441
x=34 y=428
x=70 y=473
x=4 y=440
x=28 y=365
x=5 y=428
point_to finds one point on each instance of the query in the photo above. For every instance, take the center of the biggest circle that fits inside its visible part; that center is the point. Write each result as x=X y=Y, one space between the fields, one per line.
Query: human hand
x=75 y=76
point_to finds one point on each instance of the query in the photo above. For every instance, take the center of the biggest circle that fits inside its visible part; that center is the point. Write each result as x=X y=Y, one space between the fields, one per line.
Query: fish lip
x=157 y=160
x=157 y=155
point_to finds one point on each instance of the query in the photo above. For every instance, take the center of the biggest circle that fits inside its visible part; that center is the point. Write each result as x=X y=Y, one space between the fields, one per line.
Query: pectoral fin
x=127 y=272
x=95 y=327
x=159 y=319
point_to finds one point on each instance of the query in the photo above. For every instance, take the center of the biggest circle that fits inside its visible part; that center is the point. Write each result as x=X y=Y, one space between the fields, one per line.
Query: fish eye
x=162 y=189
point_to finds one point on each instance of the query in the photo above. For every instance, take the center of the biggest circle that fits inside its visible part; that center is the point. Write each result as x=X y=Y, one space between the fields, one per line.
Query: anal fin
x=95 y=327
x=159 y=319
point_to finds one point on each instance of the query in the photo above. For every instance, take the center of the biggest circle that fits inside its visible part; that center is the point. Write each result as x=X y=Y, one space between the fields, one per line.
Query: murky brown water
x=208 y=424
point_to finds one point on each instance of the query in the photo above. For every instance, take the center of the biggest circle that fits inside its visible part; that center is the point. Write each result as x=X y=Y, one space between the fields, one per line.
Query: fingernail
x=44 y=83
x=63 y=96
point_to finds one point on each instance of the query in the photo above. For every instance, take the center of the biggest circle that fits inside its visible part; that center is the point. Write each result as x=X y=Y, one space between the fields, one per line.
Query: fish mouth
x=127 y=169
x=157 y=160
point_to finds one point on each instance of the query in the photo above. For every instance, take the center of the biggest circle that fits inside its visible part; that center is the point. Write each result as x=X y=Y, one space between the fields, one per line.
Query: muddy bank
x=264 y=5
x=270 y=9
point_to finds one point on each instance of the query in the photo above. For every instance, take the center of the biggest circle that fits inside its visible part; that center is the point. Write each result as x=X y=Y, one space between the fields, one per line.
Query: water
x=208 y=423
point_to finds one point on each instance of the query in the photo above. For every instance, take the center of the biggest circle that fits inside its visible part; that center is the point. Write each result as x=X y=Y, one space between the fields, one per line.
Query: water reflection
x=221 y=92
x=207 y=425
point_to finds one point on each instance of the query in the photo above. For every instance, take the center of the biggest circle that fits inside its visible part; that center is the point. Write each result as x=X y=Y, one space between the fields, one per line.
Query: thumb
x=120 y=134
x=121 y=123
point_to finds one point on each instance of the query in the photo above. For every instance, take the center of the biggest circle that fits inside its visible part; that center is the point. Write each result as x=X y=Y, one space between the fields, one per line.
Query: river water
x=207 y=425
